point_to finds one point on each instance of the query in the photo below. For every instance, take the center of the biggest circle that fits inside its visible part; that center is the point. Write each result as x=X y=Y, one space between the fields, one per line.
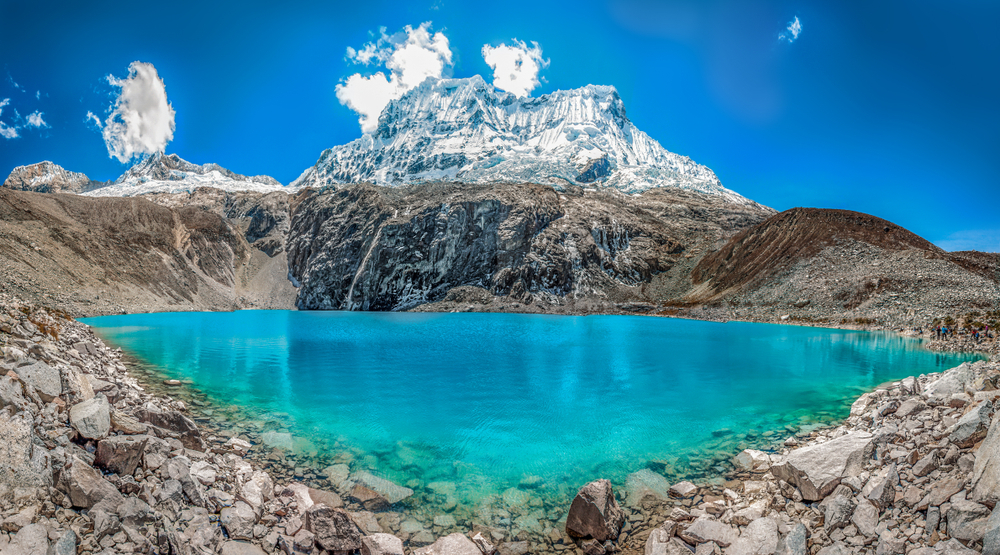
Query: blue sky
x=885 y=107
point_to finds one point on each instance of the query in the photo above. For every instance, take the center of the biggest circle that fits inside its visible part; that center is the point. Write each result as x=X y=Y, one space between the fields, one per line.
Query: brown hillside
x=794 y=235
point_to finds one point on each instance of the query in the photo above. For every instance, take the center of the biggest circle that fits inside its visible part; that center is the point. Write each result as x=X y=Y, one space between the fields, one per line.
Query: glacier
x=169 y=173
x=465 y=130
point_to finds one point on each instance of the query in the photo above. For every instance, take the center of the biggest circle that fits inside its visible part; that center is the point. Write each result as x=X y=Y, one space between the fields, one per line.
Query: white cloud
x=92 y=119
x=38 y=95
x=6 y=131
x=141 y=121
x=410 y=56
x=35 y=120
x=791 y=33
x=515 y=68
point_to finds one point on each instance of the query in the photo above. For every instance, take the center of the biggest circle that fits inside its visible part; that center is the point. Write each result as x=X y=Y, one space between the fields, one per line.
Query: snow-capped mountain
x=169 y=173
x=464 y=130
x=47 y=177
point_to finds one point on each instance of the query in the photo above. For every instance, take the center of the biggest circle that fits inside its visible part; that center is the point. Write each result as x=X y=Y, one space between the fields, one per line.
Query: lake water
x=484 y=402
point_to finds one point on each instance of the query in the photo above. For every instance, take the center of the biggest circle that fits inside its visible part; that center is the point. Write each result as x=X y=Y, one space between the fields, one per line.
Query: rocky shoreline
x=92 y=462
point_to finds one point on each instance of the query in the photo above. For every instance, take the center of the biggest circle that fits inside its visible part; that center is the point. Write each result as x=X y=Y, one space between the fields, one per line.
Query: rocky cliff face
x=372 y=248
x=46 y=177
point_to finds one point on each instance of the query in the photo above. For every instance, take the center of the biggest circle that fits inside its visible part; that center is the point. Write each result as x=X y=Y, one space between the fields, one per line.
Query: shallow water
x=478 y=403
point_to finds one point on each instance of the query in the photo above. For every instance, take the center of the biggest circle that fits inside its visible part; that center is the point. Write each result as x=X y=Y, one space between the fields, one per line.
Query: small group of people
x=977 y=334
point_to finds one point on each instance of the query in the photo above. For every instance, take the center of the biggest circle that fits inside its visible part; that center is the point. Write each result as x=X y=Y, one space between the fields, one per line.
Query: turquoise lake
x=484 y=401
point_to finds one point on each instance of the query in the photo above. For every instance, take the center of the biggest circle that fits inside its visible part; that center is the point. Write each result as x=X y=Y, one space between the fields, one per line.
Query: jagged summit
x=465 y=130
x=169 y=173
x=48 y=177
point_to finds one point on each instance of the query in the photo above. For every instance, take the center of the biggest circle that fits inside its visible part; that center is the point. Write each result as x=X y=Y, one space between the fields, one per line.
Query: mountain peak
x=169 y=173
x=48 y=177
x=465 y=130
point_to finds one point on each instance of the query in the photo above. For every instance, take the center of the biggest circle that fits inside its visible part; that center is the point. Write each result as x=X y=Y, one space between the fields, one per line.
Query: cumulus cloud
x=6 y=131
x=791 y=33
x=140 y=121
x=410 y=56
x=515 y=68
x=91 y=119
x=35 y=120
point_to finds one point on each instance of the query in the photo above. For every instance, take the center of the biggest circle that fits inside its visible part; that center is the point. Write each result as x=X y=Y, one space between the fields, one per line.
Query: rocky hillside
x=364 y=247
x=829 y=265
x=106 y=255
x=46 y=177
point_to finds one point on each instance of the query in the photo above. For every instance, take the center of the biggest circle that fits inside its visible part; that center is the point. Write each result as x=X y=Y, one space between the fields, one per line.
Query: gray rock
x=646 y=489
x=836 y=548
x=951 y=382
x=483 y=544
x=30 y=540
x=381 y=544
x=44 y=378
x=177 y=423
x=120 y=454
x=91 y=418
x=64 y=545
x=865 y=518
x=595 y=513
x=752 y=460
x=334 y=529
x=890 y=544
x=12 y=393
x=661 y=542
x=84 y=485
x=514 y=548
x=794 y=542
x=837 y=512
x=452 y=544
x=177 y=469
x=910 y=407
x=972 y=427
x=392 y=493
x=23 y=463
x=683 y=490
x=817 y=469
x=240 y=548
x=203 y=472
x=943 y=490
x=954 y=547
x=238 y=521
x=986 y=471
x=926 y=465
x=75 y=387
x=881 y=488
x=967 y=520
x=705 y=529
x=759 y=538
x=991 y=535
x=933 y=519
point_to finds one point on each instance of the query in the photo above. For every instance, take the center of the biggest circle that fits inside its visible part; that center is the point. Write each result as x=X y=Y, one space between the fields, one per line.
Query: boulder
x=972 y=427
x=986 y=470
x=595 y=513
x=683 y=490
x=328 y=498
x=910 y=407
x=837 y=512
x=817 y=469
x=661 y=542
x=381 y=544
x=65 y=544
x=91 y=418
x=881 y=488
x=926 y=465
x=238 y=521
x=392 y=493
x=890 y=544
x=954 y=547
x=368 y=498
x=759 y=538
x=752 y=460
x=178 y=468
x=172 y=421
x=645 y=489
x=991 y=534
x=75 y=386
x=865 y=518
x=452 y=544
x=84 y=485
x=44 y=378
x=951 y=382
x=240 y=548
x=257 y=489
x=836 y=548
x=943 y=490
x=120 y=454
x=705 y=529
x=334 y=529
x=12 y=393
x=483 y=544
x=23 y=462
x=794 y=542
x=203 y=472
x=967 y=520
x=30 y=540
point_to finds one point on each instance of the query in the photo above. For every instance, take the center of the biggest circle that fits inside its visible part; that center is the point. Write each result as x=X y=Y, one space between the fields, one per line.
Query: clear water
x=484 y=400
